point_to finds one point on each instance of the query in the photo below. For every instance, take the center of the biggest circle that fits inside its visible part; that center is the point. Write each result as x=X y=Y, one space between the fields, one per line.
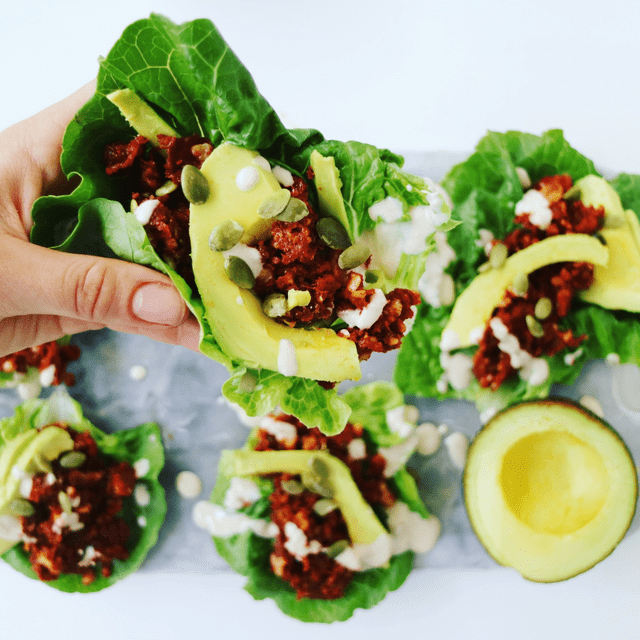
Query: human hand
x=45 y=294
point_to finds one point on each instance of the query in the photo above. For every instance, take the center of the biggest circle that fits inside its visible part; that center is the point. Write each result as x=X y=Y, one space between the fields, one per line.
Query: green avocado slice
x=474 y=306
x=235 y=314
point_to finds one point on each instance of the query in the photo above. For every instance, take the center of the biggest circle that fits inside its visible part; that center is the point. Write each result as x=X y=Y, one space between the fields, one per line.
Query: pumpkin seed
x=572 y=194
x=319 y=468
x=353 y=256
x=485 y=266
x=294 y=211
x=498 y=255
x=293 y=487
x=520 y=284
x=321 y=487
x=21 y=507
x=168 y=187
x=324 y=506
x=275 y=305
x=194 y=185
x=337 y=548
x=226 y=235
x=72 y=460
x=65 y=502
x=543 y=309
x=239 y=272
x=274 y=204
x=42 y=464
x=332 y=233
x=535 y=328
x=371 y=277
x=247 y=383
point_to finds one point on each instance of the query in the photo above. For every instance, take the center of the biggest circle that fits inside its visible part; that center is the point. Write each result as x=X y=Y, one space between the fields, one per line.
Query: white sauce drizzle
x=593 y=404
x=250 y=255
x=188 y=484
x=241 y=493
x=261 y=162
x=397 y=455
x=10 y=528
x=142 y=495
x=388 y=210
x=47 y=375
x=410 y=531
x=145 y=210
x=457 y=446
x=141 y=467
x=283 y=176
x=138 y=372
x=219 y=522
x=402 y=420
x=364 y=318
x=429 y=438
x=437 y=287
x=29 y=390
x=247 y=178
x=287 y=359
x=357 y=449
x=523 y=176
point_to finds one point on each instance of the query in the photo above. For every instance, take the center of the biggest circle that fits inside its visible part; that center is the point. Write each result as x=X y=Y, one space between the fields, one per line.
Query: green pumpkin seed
x=65 y=502
x=313 y=484
x=42 y=464
x=543 y=309
x=194 y=185
x=337 y=548
x=293 y=487
x=353 y=256
x=573 y=194
x=485 y=266
x=247 y=383
x=21 y=507
x=324 y=506
x=72 y=460
x=498 y=255
x=520 y=284
x=168 y=187
x=275 y=305
x=371 y=277
x=226 y=235
x=535 y=328
x=332 y=233
x=239 y=272
x=319 y=468
x=294 y=211
x=274 y=204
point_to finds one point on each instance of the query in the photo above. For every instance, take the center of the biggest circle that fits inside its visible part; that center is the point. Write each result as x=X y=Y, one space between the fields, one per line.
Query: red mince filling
x=557 y=282
x=101 y=486
x=317 y=575
x=41 y=357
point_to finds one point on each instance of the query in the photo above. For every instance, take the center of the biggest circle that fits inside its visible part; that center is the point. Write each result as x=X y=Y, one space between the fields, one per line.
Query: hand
x=45 y=294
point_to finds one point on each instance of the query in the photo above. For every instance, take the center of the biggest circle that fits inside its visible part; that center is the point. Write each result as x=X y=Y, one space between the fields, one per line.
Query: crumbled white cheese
x=47 y=375
x=248 y=254
x=188 y=484
x=410 y=531
x=10 y=528
x=218 y=522
x=389 y=210
x=89 y=557
x=436 y=287
x=67 y=520
x=141 y=467
x=279 y=429
x=283 y=176
x=402 y=420
x=523 y=176
x=296 y=542
x=145 y=210
x=397 y=455
x=612 y=359
x=537 y=206
x=241 y=493
x=247 y=178
x=429 y=438
x=449 y=340
x=457 y=369
x=365 y=318
x=287 y=358
x=261 y=162
x=142 y=522
x=138 y=372
x=457 y=446
x=485 y=241
x=142 y=495
x=357 y=449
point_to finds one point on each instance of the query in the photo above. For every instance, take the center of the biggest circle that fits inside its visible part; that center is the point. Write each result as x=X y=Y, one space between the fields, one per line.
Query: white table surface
x=411 y=76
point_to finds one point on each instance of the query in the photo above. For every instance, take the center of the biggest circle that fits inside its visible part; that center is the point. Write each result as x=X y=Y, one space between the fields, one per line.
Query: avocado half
x=550 y=489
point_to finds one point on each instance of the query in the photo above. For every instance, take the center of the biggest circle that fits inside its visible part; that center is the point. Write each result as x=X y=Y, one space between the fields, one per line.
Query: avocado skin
x=551 y=558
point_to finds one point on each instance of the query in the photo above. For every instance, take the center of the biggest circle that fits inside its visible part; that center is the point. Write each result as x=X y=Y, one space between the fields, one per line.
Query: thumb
x=118 y=294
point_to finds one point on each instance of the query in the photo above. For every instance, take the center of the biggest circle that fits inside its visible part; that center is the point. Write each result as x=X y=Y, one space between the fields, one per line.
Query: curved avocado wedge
x=476 y=303
x=594 y=191
x=362 y=523
x=238 y=323
x=550 y=489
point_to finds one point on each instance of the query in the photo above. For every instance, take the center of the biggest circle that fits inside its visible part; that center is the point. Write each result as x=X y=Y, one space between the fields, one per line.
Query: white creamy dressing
x=612 y=359
x=280 y=430
x=402 y=420
x=429 y=438
x=145 y=210
x=220 y=522
x=357 y=449
x=248 y=254
x=570 y=358
x=523 y=176
x=142 y=522
x=10 y=528
x=437 y=287
x=47 y=375
x=67 y=520
x=141 y=467
x=138 y=372
x=287 y=358
x=26 y=481
x=397 y=455
x=89 y=557
x=141 y=495
x=242 y=492
x=283 y=176
x=247 y=178
x=29 y=390
x=388 y=210
x=537 y=207
x=296 y=542
x=487 y=414
x=457 y=445
x=365 y=318
x=188 y=484
x=410 y=531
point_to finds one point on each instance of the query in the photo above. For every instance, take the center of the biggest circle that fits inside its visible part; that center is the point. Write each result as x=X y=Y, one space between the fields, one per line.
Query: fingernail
x=159 y=304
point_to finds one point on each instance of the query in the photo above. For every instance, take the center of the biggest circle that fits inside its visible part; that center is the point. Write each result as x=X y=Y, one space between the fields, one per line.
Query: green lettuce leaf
x=190 y=77
x=485 y=189
x=142 y=442
x=248 y=554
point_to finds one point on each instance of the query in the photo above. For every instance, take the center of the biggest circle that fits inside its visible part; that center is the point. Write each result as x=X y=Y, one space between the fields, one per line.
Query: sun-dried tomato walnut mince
x=556 y=282
x=150 y=169
x=317 y=575
x=42 y=357
x=90 y=536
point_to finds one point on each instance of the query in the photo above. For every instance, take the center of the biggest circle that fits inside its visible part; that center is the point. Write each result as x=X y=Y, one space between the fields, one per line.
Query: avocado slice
x=594 y=191
x=476 y=303
x=550 y=489
x=362 y=523
x=235 y=314
x=617 y=285
x=27 y=452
